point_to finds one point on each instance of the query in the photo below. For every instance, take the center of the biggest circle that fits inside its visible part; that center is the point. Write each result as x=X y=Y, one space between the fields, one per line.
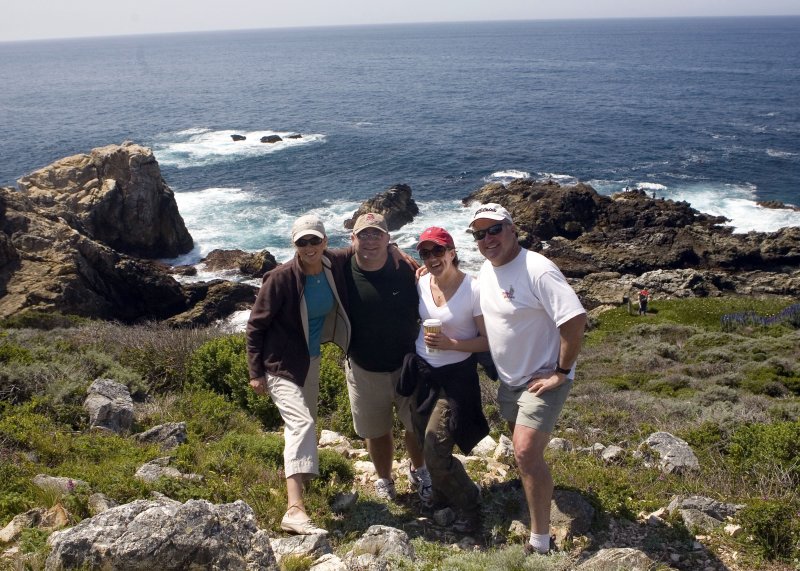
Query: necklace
x=446 y=291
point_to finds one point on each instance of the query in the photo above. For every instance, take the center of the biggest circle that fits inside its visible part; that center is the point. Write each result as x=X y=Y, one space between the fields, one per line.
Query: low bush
x=774 y=527
x=761 y=448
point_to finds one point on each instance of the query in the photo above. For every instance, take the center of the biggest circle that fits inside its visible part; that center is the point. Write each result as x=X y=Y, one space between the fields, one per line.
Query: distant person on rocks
x=535 y=325
x=443 y=373
x=383 y=311
x=644 y=297
x=301 y=304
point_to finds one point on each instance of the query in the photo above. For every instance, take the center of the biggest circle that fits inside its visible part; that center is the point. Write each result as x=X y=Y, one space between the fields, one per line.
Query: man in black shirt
x=384 y=315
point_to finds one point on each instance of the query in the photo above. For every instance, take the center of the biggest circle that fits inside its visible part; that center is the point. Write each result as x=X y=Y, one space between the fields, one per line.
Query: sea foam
x=197 y=147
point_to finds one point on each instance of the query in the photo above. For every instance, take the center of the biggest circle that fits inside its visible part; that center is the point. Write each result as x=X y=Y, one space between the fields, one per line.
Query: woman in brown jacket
x=301 y=304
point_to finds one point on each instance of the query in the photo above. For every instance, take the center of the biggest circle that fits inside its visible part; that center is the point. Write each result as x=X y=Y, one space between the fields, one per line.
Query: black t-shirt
x=384 y=313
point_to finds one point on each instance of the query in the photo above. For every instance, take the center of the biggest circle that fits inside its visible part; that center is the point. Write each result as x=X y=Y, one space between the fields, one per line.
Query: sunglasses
x=303 y=242
x=369 y=234
x=437 y=251
x=479 y=235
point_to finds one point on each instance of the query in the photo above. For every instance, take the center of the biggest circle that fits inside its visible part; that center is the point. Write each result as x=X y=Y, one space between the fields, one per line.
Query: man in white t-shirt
x=535 y=324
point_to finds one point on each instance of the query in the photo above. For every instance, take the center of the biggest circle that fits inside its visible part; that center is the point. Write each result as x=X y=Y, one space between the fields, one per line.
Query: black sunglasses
x=437 y=251
x=479 y=235
x=303 y=242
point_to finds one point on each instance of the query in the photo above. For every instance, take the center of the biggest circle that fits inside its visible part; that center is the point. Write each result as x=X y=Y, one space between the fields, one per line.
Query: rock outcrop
x=396 y=206
x=109 y=405
x=115 y=195
x=253 y=265
x=63 y=239
x=631 y=233
x=164 y=534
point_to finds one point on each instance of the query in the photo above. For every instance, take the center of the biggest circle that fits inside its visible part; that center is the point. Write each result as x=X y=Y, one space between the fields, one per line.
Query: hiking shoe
x=384 y=489
x=421 y=480
x=301 y=526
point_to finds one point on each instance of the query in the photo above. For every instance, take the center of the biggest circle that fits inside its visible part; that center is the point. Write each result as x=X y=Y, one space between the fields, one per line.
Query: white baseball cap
x=492 y=211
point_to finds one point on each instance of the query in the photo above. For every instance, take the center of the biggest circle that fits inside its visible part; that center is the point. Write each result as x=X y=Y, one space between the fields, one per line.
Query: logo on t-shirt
x=508 y=294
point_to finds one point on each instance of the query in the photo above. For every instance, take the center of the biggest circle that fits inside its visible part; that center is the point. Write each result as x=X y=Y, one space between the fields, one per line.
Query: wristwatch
x=562 y=371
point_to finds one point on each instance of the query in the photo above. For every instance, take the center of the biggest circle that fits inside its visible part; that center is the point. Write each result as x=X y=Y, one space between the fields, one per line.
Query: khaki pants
x=298 y=408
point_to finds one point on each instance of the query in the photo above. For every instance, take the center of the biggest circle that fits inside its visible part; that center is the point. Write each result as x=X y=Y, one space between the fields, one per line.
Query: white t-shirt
x=523 y=303
x=457 y=317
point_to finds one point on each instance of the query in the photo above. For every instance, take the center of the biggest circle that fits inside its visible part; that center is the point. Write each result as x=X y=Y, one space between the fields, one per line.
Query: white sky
x=38 y=19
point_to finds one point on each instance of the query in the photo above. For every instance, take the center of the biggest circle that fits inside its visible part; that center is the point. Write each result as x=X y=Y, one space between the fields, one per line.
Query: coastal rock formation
x=630 y=233
x=253 y=265
x=396 y=206
x=236 y=137
x=59 y=238
x=271 y=139
x=115 y=195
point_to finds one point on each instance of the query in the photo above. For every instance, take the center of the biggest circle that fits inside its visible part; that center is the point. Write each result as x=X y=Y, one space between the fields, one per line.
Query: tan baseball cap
x=307 y=225
x=370 y=220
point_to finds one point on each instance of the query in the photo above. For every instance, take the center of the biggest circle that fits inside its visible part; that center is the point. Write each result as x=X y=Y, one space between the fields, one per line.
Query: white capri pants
x=298 y=408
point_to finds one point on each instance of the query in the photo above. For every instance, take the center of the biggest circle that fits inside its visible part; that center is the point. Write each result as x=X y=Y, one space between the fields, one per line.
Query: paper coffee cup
x=432 y=326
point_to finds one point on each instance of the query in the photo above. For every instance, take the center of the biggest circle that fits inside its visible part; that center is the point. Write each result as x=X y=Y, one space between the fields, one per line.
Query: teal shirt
x=319 y=302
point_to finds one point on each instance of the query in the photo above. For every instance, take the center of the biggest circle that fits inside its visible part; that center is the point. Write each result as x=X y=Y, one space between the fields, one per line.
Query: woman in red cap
x=444 y=375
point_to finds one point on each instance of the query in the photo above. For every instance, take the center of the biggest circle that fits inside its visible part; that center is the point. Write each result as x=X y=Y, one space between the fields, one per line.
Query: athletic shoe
x=301 y=526
x=384 y=489
x=421 y=480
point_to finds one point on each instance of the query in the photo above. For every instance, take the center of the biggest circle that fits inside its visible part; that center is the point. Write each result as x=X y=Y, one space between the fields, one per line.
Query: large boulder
x=164 y=534
x=396 y=206
x=115 y=195
x=671 y=454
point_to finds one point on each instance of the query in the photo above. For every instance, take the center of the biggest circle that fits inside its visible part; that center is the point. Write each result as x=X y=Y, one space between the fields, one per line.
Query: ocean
x=702 y=110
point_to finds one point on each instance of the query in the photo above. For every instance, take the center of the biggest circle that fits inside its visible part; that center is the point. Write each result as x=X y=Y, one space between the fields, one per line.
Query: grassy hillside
x=730 y=387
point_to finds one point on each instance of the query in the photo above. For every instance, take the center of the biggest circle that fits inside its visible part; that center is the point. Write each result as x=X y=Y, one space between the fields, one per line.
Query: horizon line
x=390 y=24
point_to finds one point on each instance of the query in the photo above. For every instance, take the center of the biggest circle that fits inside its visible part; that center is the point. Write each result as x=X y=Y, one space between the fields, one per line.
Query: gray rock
x=109 y=405
x=505 y=449
x=612 y=453
x=697 y=520
x=671 y=454
x=160 y=468
x=329 y=562
x=314 y=546
x=377 y=546
x=618 y=559
x=30 y=518
x=714 y=508
x=485 y=448
x=560 y=444
x=58 y=483
x=164 y=534
x=98 y=503
x=169 y=435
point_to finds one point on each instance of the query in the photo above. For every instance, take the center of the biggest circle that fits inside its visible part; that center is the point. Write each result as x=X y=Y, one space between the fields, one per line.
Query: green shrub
x=334 y=401
x=221 y=365
x=39 y=319
x=774 y=527
x=759 y=448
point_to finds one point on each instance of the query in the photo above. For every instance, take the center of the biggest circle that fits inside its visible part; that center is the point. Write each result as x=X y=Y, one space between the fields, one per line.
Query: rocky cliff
x=114 y=195
x=75 y=236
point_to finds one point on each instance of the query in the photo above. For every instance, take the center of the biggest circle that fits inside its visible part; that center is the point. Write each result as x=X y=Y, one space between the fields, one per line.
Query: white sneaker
x=384 y=489
x=421 y=480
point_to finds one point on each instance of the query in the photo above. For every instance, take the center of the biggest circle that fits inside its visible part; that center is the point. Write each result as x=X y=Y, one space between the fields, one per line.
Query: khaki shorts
x=519 y=406
x=372 y=397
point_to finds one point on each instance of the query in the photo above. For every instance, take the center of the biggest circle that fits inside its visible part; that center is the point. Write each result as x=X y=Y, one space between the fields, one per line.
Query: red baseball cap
x=437 y=236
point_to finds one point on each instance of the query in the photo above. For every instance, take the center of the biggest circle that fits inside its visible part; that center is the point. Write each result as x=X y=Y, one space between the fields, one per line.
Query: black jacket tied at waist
x=460 y=383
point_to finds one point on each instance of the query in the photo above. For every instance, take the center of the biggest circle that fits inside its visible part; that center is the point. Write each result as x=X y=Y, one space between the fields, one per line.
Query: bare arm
x=571 y=341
